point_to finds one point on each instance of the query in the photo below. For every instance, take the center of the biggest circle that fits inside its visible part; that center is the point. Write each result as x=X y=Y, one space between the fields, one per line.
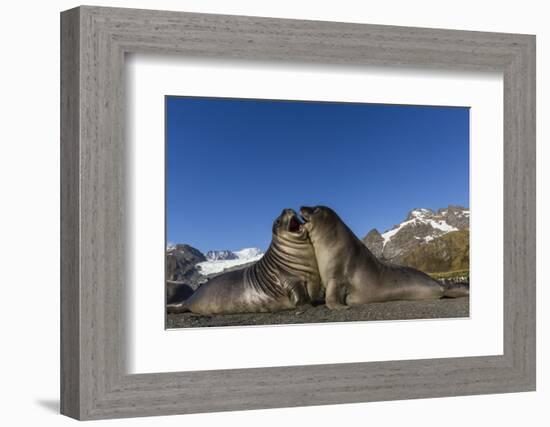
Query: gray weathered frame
x=94 y=41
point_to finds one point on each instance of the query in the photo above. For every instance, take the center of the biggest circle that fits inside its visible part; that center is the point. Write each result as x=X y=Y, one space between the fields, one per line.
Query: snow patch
x=389 y=234
x=441 y=225
x=217 y=266
x=248 y=253
x=420 y=213
x=424 y=216
x=244 y=256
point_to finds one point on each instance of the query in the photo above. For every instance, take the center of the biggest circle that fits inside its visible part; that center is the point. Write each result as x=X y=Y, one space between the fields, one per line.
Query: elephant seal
x=177 y=291
x=352 y=275
x=285 y=277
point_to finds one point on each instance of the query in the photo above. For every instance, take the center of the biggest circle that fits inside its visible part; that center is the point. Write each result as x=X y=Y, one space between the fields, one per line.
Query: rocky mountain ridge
x=220 y=255
x=186 y=264
x=180 y=263
x=421 y=226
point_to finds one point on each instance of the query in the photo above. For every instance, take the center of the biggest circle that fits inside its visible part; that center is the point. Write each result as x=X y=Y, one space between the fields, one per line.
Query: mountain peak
x=419 y=213
x=422 y=225
x=247 y=253
x=182 y=249
x=220 y=255
x=226 y=254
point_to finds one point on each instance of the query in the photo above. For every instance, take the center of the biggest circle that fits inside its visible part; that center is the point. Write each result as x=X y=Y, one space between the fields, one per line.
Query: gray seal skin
x=284 y=278
x=352 y=275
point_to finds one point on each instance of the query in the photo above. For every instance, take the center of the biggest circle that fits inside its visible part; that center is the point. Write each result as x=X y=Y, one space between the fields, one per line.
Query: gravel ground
x=394 y=310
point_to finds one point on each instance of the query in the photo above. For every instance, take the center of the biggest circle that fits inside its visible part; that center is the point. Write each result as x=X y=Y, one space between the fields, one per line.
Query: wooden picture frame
x=94 y=382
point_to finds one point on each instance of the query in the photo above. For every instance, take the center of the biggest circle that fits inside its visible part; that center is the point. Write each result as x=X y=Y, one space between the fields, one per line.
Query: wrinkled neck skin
x=287 y=257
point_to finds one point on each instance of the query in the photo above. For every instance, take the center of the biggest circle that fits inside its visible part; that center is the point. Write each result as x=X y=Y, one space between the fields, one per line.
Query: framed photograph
x=312 y=153
x=279 y=213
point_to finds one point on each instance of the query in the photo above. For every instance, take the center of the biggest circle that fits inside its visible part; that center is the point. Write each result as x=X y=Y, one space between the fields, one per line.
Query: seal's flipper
x=336 y=295
x=297 y=291
x=456 y=290
x=179 y=307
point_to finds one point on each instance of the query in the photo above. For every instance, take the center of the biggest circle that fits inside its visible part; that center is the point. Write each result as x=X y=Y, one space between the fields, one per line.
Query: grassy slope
x=449 y=253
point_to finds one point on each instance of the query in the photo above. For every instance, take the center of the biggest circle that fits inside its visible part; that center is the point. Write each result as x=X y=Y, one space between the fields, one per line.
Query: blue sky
x=232 y=165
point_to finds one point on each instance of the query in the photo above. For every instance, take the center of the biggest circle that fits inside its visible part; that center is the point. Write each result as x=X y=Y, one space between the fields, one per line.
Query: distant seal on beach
x=352 y=275
x=284 y=278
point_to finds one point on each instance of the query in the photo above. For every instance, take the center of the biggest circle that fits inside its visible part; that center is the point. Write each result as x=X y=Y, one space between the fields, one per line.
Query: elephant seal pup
x=285 y=277
x=352 y=275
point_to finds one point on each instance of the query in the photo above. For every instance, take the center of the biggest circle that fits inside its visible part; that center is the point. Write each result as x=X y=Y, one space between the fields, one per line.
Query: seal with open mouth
x=284 y=278
x=352 y=275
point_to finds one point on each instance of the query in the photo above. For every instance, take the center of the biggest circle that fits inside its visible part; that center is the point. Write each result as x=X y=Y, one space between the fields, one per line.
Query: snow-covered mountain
x=218 y=261
x=248 y=253
x=244 y=254
x=220 y=255
x=421 y=226
x=181 y=260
